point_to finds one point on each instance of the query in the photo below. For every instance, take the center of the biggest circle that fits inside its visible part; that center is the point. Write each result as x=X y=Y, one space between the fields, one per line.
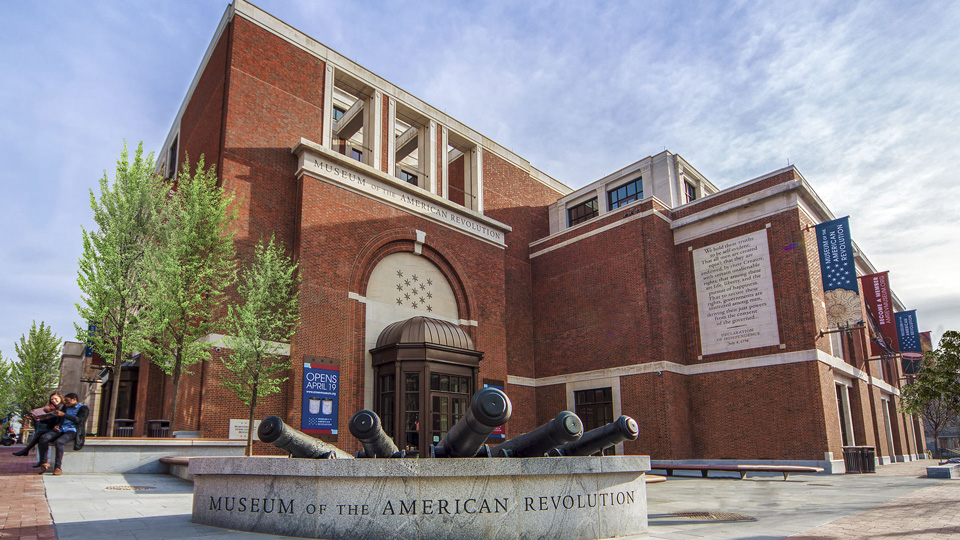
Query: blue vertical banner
x=838 y=270
x=321 y=398
x=908 y=336
x=92 y=331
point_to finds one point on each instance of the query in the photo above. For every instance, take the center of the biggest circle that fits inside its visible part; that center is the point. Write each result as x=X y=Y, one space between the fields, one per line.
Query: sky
x=862 y=97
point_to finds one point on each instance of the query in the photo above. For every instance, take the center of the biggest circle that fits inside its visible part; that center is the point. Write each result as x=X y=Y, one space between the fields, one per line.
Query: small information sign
x=238 y=428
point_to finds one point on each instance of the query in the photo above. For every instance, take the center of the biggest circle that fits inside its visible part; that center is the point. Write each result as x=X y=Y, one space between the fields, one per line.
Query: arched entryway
x=425 y=373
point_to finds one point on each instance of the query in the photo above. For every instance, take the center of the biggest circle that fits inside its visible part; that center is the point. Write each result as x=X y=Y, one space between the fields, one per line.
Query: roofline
x=303 y=41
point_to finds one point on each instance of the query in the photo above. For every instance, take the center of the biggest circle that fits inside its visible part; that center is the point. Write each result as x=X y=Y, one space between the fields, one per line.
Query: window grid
x=627 y=193
x=582 y=212
x=691 y=191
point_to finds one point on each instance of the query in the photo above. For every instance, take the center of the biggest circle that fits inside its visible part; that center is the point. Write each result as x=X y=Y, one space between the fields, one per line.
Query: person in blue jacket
x=70 y=428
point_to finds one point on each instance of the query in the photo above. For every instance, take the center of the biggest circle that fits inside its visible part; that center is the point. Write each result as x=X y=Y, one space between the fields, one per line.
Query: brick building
x=435 y=261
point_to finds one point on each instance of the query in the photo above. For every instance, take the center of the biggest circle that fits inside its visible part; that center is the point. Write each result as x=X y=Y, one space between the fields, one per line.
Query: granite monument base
x=567 y=498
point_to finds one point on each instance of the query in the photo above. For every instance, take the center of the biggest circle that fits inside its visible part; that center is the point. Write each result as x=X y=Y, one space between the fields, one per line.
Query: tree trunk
x=176 y=391
x=114 y=391
x=253 y=406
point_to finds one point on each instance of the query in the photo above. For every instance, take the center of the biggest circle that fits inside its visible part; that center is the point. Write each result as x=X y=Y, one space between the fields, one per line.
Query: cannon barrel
x=272 y=430
x=564 y=428
x=366 y=427
x=596 y=440
x=489 y=409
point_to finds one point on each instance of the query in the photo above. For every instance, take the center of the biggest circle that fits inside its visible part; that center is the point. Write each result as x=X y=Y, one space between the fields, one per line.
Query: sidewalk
x=896 y=503
x=24 y=514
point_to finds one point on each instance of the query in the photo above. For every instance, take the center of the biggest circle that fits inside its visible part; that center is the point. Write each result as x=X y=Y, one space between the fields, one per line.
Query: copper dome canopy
x=426 y=331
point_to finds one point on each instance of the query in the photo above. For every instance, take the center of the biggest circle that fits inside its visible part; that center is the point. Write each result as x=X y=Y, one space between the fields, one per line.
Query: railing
x=949 y=453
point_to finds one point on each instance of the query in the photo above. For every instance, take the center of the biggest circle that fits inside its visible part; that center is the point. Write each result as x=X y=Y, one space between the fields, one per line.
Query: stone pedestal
x=950 y=470
x=560 y=498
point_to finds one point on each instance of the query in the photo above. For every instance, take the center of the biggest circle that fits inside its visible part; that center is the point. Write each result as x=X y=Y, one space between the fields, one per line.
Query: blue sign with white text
x=321 y=399
x=837 y=266
x=907 y=333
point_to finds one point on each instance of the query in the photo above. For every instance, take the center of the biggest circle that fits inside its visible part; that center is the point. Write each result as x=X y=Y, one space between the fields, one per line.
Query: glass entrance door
x=449 y=398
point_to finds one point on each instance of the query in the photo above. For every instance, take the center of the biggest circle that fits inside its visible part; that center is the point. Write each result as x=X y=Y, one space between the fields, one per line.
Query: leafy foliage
x=191 y=264
x=113 y=263
x=38 y=370
x=935 y=394
x=7 y=395
x=266 y=316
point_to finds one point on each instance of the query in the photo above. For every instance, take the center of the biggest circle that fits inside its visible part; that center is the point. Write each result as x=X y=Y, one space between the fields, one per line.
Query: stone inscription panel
x=489 y=508
x=735 y=299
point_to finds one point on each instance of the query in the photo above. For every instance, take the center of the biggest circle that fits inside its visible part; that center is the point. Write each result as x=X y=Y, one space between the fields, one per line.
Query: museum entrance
x=426 y=373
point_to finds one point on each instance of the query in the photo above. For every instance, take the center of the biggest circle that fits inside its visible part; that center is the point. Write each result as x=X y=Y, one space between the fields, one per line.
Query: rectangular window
x=172 y=159
x=387 y=389
x=411 y=409
x=595 y=409
x=691 y=191
x=338 y=112
x=627 y=193
x=356 y=154
x=408 y=178
x=582 y=212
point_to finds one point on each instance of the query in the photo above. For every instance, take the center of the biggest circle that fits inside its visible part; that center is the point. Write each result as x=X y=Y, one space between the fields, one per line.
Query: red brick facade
x=614 y=297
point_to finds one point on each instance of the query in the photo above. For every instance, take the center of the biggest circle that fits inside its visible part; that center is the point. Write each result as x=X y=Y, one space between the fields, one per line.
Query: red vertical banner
x=926 y=341
x=876 y=295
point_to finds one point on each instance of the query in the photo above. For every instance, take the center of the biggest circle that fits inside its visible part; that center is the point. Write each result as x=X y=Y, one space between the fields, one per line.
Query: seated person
x=72 y=421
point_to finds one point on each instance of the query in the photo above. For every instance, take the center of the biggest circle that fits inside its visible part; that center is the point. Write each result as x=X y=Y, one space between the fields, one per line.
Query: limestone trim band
x=599 y=230
x=810 y=355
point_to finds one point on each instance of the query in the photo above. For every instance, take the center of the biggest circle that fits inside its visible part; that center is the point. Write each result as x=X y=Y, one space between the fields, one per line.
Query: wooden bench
x=741 y=469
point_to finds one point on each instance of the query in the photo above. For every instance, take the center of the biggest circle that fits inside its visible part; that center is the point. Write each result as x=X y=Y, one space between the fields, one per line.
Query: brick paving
x=24 y=513
x=931 y=512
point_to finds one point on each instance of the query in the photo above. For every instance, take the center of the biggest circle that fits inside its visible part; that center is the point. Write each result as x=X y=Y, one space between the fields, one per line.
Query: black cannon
x=272 y=430
x=564 y=428
x=365 y=426
x=596 y=440
x=489 y=409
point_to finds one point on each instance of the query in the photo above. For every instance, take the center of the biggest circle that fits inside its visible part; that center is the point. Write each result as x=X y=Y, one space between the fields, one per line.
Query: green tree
x=7 y=395
x=935 y=393
x=113 y=264
x=38 y=371
x=191 y=264
x=265 y=317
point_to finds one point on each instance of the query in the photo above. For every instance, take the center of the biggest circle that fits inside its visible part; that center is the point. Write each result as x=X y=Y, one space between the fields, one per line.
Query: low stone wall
x=559 y=498
x=141 y=455
x=949 y=470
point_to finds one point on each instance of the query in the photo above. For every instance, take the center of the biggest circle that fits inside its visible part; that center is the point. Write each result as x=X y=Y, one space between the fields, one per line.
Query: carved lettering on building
x=382 y=190
x=423 y=507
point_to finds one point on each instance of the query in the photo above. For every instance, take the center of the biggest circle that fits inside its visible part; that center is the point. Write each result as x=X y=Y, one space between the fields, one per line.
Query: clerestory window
x=626 y=193
x=582 y=212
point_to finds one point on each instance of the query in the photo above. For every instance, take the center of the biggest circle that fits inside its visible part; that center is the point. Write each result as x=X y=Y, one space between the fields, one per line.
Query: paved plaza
x=898 y=502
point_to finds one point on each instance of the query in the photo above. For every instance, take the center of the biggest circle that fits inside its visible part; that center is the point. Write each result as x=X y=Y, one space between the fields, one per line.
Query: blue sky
x=861 y=97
